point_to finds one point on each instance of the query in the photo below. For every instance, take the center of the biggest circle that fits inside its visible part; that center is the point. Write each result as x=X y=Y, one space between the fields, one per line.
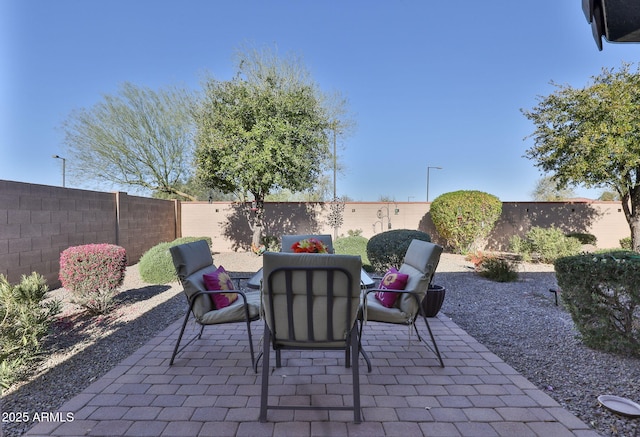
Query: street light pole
x=64 y=170
x=429 y=168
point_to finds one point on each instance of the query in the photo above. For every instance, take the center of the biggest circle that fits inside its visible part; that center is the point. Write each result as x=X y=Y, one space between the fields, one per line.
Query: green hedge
x=602 y=293
x=387 y=249
x=353 y=245
x=156 y=265
x=465 y=218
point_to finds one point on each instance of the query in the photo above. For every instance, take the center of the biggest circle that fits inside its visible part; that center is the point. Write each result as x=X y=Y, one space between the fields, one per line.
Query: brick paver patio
x=211 y=390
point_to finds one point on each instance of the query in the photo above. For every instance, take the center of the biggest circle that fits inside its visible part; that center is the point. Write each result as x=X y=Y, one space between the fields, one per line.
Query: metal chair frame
x=351 y=343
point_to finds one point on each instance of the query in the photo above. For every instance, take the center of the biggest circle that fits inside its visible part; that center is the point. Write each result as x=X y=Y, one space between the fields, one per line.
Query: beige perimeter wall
x=37 y=222
x=227 y=224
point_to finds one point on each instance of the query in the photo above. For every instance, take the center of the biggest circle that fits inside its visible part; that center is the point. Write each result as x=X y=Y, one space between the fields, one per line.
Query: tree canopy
x=268 y=129
x=264 y=130
x=138 y=137
x=591 y=137
x=547 y=190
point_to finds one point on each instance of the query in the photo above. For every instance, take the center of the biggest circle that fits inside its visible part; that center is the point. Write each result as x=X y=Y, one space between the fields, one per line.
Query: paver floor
x=211 y=390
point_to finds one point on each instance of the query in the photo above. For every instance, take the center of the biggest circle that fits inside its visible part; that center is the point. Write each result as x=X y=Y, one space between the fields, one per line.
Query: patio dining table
x=255 y=281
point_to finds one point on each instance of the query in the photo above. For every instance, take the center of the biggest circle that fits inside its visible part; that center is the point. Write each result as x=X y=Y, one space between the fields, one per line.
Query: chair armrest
x=385 y=290
x=410 y=292
x=210 y=292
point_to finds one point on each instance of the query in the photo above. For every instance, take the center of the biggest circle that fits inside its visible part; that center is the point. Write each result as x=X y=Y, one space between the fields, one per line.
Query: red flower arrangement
x=309 y=245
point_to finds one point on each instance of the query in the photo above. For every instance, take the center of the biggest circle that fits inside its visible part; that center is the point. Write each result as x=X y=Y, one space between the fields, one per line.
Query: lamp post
x=64 y=170
x=429 y=168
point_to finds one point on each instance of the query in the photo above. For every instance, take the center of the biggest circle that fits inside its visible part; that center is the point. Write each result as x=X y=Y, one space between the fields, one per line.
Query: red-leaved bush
x=91 y=271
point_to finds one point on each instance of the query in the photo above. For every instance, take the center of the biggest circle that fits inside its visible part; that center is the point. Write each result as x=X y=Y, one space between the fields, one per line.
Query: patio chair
x=311 y=302
x=289 y=240
x=192 y=261
x=420 y=264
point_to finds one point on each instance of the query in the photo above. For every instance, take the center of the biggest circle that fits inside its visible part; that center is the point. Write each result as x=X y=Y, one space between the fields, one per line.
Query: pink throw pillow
x=392 y=280
x=220 y=280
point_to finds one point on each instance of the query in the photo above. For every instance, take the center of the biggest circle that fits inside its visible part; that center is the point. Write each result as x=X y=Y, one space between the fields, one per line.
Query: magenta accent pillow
x=392 y=280
x=220 y=280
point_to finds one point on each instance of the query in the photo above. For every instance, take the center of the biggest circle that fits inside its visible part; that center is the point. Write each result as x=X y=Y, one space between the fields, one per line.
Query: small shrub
x=545 y=245
x=583 y=237
x=476 y=258
x=354 y=232
x=465 y=218
x=271 y=243
x=602 y=294
x=25 y=318
x=353 y=245
x=156 y=265
x=498 y=269
x=625 y=243
x=93 y=273
x=99 y=301
x=387 y=249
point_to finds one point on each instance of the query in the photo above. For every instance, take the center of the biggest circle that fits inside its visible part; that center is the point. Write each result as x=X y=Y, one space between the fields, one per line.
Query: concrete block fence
x=227 y=225
x=37 y=222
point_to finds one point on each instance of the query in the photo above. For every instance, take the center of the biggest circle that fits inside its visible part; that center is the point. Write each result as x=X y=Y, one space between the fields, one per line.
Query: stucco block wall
x=144 y=222
x=227 y=225
x=605 y=220
x=38 y=222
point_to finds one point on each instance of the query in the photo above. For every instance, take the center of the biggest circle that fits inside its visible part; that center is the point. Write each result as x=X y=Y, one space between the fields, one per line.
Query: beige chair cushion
x=379 y=313
x=340 y=326
x=192 y=260
x=235 y=311
x=420 y=262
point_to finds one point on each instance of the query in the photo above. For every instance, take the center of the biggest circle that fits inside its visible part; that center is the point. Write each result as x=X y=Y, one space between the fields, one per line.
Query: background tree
x=591 y=137
x=268 y=129
x=547 y=190
x=609 y=196
x=139 y=138
x=197 y=190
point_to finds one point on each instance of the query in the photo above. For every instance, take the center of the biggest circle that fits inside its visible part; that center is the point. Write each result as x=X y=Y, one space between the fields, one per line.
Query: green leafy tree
x=268 y=129
x=591 y=136
x=465 y=218
x=547 y=191
x=609 y=196
x=140 y=138
x=198 y=191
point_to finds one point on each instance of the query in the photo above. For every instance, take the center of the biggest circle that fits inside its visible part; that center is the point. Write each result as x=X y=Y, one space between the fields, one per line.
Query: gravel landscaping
x=521 y=323
x=518 y=321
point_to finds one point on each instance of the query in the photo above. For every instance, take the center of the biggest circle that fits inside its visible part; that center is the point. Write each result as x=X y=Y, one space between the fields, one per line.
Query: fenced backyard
x=38 y=222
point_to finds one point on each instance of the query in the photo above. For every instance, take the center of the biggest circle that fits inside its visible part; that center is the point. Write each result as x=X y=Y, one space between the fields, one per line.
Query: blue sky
x=428 y=83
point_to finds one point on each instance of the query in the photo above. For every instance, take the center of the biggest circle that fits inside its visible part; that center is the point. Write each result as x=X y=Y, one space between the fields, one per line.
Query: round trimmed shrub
x=387 y=249
x=91 y=267
x=465 y=218
x=353 y=245
x=93 y=273
x=156 y=265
